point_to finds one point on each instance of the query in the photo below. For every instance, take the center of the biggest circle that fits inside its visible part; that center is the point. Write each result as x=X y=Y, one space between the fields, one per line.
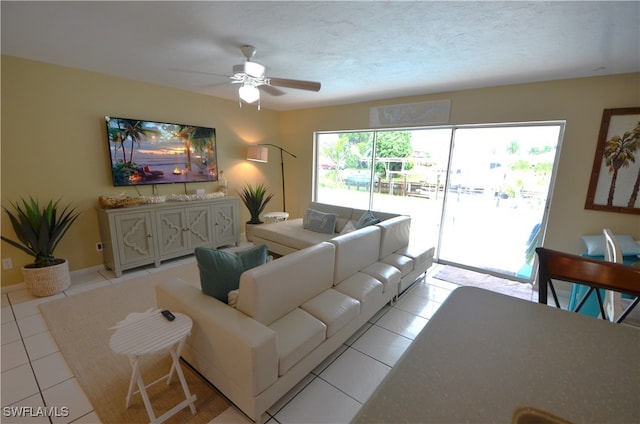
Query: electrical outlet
x=7 y=263
x=98 y=247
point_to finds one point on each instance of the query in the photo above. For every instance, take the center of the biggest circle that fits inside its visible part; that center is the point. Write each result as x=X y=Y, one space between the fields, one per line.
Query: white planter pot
x=47 y=281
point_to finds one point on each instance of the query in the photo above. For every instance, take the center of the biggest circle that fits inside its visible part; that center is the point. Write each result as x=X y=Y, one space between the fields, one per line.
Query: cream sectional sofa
x=289 y=236
x=283 y=238
x=292 y=312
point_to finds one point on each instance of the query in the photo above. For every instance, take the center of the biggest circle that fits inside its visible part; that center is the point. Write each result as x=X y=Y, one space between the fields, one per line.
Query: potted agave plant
x=255 y=199
x=39 y=229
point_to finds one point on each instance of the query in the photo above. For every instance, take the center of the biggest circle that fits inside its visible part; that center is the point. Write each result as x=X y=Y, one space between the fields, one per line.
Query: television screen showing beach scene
x=149 y=152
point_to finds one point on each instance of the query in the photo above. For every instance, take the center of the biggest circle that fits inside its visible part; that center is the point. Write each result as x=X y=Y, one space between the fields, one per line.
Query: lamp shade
x=258 y=153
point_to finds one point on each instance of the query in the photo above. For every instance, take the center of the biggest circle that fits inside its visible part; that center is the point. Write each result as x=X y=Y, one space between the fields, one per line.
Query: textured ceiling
x=357 y=50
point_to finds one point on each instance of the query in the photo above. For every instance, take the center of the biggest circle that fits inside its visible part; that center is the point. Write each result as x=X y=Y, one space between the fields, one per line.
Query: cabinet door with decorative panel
x=135 y=238
x=198 y=224
x=171 y=232
x=226 y=227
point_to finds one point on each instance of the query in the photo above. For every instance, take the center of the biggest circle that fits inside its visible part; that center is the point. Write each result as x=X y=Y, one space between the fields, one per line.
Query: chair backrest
x=612 y=249
x=612 y=253
x=598 y=274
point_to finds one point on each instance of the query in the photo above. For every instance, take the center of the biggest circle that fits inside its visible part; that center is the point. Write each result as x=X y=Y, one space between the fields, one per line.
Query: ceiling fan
x=252 y=79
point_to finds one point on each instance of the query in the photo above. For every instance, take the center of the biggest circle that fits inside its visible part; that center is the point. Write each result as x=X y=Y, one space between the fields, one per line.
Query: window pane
x=496 y=198
x=411 y=169
x=343 y=170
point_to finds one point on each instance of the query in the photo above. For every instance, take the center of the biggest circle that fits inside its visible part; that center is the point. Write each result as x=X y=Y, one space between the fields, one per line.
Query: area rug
x=80 y=325
x=465 y=277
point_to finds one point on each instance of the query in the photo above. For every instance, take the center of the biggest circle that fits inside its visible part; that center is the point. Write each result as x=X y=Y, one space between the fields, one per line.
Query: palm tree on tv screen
x=130 y=129
x=203 y=141
x=185 y=132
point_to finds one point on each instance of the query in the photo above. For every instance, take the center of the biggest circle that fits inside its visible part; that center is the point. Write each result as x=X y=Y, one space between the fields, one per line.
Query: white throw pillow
x=233 y=298
x=348 y=227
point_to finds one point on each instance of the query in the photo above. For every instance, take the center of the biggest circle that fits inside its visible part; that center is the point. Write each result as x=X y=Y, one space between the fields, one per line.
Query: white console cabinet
x=150 y=234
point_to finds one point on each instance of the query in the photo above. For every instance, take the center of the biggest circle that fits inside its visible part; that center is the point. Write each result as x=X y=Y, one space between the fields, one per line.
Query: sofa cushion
x=367 y=218
x=355 y=251
x=403 y=263
x=387 y=274
x=298 y=333
x=220 y=271
x=420 y=256
x=273 y=290
x=343 y=212
x=320 y=222
x=290 y=233
x=333 y=308
x=362 y=287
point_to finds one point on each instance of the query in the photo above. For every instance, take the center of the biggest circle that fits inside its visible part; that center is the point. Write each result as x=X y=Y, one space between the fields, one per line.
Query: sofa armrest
x=239 y=347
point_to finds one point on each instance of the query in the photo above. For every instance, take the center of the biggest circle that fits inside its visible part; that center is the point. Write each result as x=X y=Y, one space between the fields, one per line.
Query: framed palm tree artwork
x=615 y=176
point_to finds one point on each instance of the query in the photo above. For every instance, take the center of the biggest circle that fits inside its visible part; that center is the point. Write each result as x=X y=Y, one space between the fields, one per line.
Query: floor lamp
x=260 y=153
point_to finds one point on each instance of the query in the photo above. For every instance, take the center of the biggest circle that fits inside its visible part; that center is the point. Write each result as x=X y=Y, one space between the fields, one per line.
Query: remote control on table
x=168 y=315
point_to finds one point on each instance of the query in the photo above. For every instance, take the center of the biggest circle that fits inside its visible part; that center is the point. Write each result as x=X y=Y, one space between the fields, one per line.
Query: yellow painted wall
x=578 y=101
x=53 y=143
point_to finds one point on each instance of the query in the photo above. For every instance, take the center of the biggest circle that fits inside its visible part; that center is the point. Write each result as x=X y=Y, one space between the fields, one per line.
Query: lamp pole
x=282 y=151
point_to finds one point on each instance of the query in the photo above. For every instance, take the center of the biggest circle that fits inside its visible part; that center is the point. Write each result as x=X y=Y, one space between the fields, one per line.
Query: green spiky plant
x=39 y=229
x=255 y=199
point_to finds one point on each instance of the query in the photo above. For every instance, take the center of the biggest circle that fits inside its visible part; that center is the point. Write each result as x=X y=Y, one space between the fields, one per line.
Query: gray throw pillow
x=367 y=218
x=319 y=222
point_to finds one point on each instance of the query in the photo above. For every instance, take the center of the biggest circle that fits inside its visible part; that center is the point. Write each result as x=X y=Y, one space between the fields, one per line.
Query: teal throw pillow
x=367 y=218
x=595 y=245
x=319 y=222
x=220 y=271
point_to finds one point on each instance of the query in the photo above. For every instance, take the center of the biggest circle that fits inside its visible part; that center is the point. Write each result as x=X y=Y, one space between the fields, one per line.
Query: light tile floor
x=35 y=375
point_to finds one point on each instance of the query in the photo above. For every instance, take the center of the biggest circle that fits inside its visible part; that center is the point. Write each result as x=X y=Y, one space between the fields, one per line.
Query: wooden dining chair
x=597 y=274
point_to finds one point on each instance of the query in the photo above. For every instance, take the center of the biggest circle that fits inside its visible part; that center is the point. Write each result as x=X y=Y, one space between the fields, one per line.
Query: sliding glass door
x=477 y=193
x=495 y=208
x=406 y=175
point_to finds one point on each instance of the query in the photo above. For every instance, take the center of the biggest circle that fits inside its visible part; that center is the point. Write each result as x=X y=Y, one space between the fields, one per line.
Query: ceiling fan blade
x=199 y=72
x=298 y=84
x=217 y=84
x=270 y=90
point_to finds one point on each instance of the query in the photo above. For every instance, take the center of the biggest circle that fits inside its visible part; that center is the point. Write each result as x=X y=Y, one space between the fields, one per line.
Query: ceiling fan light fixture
x=249 y=93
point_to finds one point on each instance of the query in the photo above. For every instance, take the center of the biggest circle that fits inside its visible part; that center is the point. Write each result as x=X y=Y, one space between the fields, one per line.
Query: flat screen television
x=149 y=152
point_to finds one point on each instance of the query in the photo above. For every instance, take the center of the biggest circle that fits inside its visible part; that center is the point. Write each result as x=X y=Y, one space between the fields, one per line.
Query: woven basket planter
x=249 y=230
x=47 y=281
